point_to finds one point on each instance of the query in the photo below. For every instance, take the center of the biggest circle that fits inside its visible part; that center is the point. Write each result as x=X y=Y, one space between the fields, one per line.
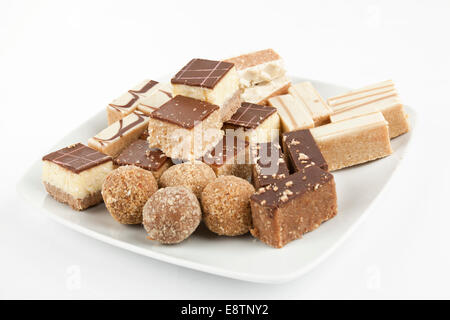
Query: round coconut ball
x=171 y=215
x=125 y=192
x=192 y=175
x=226 y=205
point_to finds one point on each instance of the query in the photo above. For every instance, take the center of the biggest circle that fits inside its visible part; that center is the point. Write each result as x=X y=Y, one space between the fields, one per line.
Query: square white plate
x=241 y=257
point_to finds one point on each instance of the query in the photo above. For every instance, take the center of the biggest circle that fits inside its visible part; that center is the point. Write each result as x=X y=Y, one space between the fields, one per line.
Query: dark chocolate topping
x=282 y=191
x=202 y=73
x=270 y=163
x=77 y=158
x=184 y=111
x=228 y=148
x=302 y=149
x=139 y=154
x=135 y=95
x=250 y=115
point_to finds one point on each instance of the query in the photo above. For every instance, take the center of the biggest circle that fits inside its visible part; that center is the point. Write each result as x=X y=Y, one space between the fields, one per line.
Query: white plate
x=242 y=257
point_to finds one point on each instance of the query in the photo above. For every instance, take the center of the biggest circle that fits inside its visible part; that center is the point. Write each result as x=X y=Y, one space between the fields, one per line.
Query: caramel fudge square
x=141 y=155
x=74 y=175
x=216 y=82
x=185 y=128
x=291 y=207
x=255 y=123
x=230 y=157
x=269 y=164
x=302 y=150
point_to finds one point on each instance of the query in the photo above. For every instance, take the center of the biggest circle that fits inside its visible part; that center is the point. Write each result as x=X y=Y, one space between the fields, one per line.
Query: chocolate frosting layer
x=228 y=148
x=283 y=191
x=139 y=154
x=77 y=158
x=250 y=115
x=302 y=150
x=270 y=163
x=202 y=73
x=184 y=111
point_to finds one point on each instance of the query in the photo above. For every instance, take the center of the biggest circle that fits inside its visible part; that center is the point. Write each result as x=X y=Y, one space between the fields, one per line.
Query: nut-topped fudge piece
x=185 y=128
x=381 y=97
x=130 y=100
x=216 y=82
x=294 y=114
x=74 y=175
x=140 y=155
x=119 y=135
x=317 y=107
x=291 y=207
x=255 y=123
x=269 y=164
x=302 y=150
x=353 y=141
x=230 y=157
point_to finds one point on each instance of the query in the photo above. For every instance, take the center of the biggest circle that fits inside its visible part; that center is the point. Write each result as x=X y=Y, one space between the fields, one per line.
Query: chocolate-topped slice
x=302 y=150
x=185 y=128
x=293 y=206
x=140 y=155
x=269 y=164
x=230 y=157
x=77 y=157
x=255 y=123
x=184 y=111
x=215 y=82
x=202 y=73
x=74 y=175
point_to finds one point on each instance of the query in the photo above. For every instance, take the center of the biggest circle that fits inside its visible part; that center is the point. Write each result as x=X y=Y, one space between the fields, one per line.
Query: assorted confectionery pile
x=232 y=143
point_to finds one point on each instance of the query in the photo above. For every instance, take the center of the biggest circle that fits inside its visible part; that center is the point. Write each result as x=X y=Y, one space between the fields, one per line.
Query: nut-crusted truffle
x=171 y=215
x=226 y=205
x=192 y=175
x=125 y=192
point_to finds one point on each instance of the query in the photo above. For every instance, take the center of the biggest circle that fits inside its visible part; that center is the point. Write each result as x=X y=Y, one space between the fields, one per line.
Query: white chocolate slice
x=353 y=141
x=293 y=113
x=120 y=134
x=381 y=97
x=160 y=94
x=262 y=92
x=319 y=110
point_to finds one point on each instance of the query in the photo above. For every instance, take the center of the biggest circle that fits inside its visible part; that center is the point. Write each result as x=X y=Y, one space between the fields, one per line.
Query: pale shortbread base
x=231 y=106
x=219 y=95
x=354 y=141
x=267 y=131
x=185 y=144
x=84 y=185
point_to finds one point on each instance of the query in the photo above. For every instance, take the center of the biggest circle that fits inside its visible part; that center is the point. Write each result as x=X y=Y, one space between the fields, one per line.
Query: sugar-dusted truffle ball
x=192 y=175
x=226 y=205
x=125 y=192
x=171 y=215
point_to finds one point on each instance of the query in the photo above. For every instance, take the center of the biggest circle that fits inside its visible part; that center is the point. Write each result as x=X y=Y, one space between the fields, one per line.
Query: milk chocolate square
x=202 y=73
x=184 y=112
x=293 y=206
x=250 y=115
x=302 y=150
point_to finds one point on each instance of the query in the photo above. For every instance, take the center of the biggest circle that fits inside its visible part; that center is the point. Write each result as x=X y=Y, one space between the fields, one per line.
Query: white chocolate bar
x=160 y=94
x=129 y=101
x=319 y=110
x=262 y=92
x=293 y=113
x=116 y=137
x=256 y=67
x=353 y=141
x=381 y=97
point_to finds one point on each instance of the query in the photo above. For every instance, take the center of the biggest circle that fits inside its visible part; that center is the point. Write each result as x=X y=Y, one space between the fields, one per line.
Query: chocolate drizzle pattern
x=135 y=95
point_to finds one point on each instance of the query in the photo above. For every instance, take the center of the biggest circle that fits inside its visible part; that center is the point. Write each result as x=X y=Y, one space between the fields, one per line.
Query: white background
x=62 y=61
